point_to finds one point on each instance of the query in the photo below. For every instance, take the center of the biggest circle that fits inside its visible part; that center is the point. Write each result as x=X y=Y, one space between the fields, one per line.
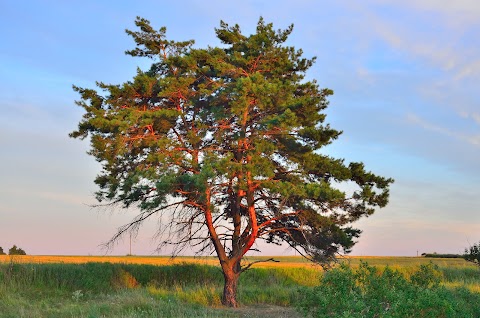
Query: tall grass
x=192 y=289
x=102 y=289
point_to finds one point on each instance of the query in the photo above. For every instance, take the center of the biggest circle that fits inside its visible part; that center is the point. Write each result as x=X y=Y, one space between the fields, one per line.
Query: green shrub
x=427 y=276
x=369 y=292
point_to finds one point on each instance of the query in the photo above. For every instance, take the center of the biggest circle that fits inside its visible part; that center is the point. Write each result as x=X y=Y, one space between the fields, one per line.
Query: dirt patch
x=265 y=311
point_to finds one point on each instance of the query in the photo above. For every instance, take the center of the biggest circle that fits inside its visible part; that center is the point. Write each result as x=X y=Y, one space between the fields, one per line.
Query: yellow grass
x=150 y=260
x=283 y=261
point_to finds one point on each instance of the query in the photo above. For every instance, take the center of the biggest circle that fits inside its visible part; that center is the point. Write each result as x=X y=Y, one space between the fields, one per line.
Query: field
x=110 y=286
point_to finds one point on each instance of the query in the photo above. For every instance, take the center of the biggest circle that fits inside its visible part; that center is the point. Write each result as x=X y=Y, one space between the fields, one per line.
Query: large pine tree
x=227 y=142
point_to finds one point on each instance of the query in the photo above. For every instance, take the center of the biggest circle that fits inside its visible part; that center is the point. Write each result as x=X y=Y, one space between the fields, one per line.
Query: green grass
x=123 y=303
x=133 y=290
x=189 y=289
x=408 y=262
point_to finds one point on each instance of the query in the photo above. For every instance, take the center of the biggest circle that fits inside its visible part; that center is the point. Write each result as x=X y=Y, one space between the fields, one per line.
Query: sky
x=406 y=77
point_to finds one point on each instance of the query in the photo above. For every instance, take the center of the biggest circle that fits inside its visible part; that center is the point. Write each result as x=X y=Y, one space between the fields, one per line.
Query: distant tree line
x=14 y=250
x=436 y=255
x=472 y=254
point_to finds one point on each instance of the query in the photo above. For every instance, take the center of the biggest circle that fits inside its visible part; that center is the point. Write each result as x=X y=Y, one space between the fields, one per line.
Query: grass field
x=110 y=286
x=290 y=261
x=281 y=261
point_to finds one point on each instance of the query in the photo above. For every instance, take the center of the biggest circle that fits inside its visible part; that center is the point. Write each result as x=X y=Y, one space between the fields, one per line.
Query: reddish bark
x=230 y=275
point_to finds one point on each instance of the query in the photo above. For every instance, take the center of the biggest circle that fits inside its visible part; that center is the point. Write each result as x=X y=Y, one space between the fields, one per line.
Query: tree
x=14 y=250
x=472 y=254
x=1 y=251
x=226 y=142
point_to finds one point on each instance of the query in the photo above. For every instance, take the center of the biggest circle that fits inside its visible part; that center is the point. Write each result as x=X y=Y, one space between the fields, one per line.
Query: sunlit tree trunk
x=231 y=274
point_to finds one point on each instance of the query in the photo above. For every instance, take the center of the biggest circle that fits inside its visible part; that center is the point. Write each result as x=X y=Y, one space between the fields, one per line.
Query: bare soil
x=265 y=311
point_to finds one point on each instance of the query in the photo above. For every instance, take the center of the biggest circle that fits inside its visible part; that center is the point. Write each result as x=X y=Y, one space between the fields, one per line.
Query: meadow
x=110 y=286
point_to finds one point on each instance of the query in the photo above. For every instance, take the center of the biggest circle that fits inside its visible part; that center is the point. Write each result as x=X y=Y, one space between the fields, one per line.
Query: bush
x=1 y=251
x=472 y=254
x=369 y=292
x=427 y=276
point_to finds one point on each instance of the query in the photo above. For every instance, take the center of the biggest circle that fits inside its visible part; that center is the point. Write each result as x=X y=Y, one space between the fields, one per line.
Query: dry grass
x=281 y=261
x=148 y=260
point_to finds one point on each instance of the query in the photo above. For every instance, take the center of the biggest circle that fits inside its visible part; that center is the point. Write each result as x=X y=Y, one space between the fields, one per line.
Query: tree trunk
x=229 y=298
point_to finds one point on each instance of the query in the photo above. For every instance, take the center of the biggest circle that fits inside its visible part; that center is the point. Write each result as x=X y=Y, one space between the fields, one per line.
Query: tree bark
x=229 y=298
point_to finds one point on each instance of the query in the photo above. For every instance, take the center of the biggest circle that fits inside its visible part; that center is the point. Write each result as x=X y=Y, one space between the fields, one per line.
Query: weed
x=77 y=295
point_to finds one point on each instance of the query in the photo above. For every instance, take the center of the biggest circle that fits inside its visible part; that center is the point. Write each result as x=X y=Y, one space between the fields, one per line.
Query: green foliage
x=472 y=254
x=369 y=292
x=14 y=250
x=223 y=131
x=427 y=276
x=1 y=251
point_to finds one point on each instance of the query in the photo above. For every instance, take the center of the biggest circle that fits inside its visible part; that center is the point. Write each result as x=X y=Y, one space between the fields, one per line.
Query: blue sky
x=406 y=76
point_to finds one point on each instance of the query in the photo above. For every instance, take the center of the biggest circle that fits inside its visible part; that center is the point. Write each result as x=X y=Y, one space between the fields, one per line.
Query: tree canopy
x=227 y=142
x=472 y=254
x=14 y=250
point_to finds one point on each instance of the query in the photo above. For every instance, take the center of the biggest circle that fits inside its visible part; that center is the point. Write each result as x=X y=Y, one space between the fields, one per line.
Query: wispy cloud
x=56 y=196
x=459 y=12
x=476 y=117
x=468 y=70
x=473 y=115
x=471 y=139
x=433 y=31
x=67 y=198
